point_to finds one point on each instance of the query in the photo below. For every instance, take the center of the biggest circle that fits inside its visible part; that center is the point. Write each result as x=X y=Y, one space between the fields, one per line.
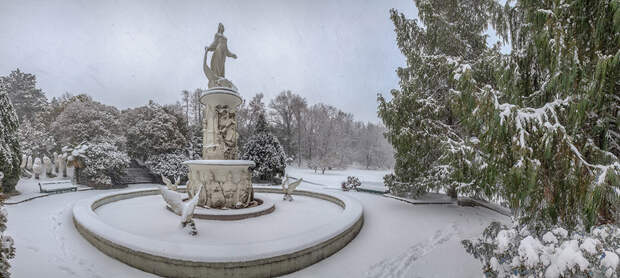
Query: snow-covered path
x=48 y=245
x=402 y=240
x=398 y=239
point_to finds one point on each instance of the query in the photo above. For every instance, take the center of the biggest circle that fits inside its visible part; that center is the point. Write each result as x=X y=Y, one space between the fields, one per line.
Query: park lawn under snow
x=397 y=240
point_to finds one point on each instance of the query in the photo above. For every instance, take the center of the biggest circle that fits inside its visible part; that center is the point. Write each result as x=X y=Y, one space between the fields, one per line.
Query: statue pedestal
x=225 y=183
x=220 y=123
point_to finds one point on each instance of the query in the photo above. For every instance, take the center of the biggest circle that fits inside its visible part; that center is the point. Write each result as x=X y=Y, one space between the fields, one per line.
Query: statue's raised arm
x=216 y=73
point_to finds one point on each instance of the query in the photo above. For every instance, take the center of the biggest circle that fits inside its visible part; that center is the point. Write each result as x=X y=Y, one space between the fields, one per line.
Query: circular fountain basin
x=270 y=245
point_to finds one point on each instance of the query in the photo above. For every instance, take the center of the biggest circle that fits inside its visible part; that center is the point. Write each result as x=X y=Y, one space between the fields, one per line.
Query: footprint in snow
x=399 y=266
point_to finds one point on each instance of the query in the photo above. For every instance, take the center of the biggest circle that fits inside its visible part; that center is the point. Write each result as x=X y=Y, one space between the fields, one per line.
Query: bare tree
x=185 y=101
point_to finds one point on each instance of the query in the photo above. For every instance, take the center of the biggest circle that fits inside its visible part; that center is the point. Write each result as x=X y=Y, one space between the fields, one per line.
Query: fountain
x=226 y=181
x=132 y=226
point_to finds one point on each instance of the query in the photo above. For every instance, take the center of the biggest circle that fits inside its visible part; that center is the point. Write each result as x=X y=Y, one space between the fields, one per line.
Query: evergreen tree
x=34 y=139
x=7 y=250
x=26 y=98
x=153 y=130
x=549 y=119
x=83 y=119
x=537 y=128
x=265 y=150
x=10 y=151
x=432 y=149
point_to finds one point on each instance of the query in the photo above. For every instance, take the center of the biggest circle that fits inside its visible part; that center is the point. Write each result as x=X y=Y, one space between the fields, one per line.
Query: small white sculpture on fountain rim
x=289 y=187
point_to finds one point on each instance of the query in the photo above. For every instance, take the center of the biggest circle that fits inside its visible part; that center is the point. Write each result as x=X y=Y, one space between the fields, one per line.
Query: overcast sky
x=124 y=53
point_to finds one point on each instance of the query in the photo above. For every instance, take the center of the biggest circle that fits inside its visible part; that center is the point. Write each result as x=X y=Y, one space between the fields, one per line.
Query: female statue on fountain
x=215 y=73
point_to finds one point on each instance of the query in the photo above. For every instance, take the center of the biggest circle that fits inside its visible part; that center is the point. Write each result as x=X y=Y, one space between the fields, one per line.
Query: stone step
x=138 y=175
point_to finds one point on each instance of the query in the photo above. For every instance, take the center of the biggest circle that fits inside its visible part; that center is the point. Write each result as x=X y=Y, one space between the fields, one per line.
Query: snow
x=504 y=237
x=567 y=256
x=397 y=240
x=216 y=252
x=220 y=162
x=548 y=237
x=610 y=261
x=560 y=232
x=303 y=214
x=589 y=245
x=371 y=179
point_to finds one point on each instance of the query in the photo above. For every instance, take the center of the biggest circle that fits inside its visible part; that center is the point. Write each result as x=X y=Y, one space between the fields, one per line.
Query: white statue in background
x=62 y=164
x=29 y=163
x=289 y=187
x=25 y=173
x=24 y=161
x=36 y=168
x=47 y=162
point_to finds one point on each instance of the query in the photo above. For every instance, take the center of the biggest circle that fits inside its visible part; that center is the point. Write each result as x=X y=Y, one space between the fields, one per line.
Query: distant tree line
x=319 y=136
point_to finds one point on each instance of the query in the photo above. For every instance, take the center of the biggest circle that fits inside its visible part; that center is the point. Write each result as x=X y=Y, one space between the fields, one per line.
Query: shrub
x=168 y=164
x=520 y=251
x=351 y=183
x=103 y=163
x=265 y=150
x=7 y=250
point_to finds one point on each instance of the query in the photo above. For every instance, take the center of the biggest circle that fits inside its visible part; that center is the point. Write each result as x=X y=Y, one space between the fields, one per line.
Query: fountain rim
x=105 y=236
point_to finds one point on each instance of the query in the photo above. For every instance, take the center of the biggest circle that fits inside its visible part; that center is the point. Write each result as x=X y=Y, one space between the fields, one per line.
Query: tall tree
x=285 y=106
x=152 y=130
x=185 y=100
x=300 y=109
x=26 y=98
x=10 y=151
x=83 y=119
x=549 y=121
x=432 y=150
x=197 y=107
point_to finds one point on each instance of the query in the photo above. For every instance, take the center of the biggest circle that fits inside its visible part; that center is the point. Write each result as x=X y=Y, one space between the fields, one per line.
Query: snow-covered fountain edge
x=258 y=259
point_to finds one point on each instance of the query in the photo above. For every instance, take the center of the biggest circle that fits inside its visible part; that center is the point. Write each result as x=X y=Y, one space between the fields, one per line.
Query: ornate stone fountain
x=226 y=181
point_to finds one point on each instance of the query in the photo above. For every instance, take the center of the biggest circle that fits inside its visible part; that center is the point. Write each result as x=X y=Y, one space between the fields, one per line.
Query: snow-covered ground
x=371 y=179
x=398 y=239
x=290 y=218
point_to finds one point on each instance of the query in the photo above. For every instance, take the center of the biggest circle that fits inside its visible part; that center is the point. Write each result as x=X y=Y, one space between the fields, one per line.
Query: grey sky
x=124 y=53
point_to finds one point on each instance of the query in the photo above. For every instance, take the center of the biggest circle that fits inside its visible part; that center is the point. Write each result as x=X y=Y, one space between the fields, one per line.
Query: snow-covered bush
x=7 y=250
x=351 y=183
x=83 y=119
x=265 y=150
x=34 y=139
x=152 y=130
x=10 y=151
x=103 y=163
x=520 y=251
x=169 y=165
